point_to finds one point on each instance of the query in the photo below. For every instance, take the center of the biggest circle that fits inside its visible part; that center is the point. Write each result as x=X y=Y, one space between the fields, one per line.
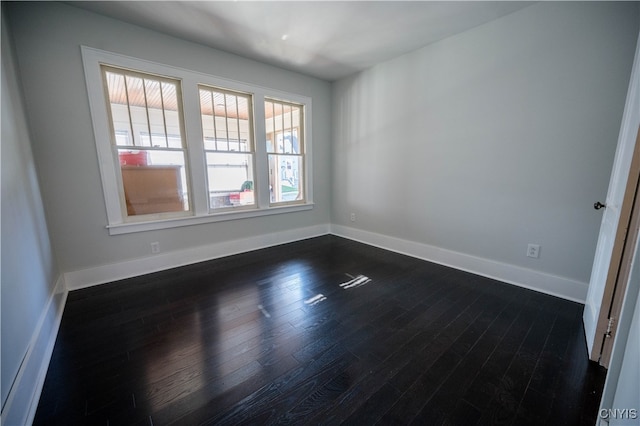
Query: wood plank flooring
x=322 y=331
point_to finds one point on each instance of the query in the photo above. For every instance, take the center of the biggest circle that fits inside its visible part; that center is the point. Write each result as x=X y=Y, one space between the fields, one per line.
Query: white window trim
x=93 y=58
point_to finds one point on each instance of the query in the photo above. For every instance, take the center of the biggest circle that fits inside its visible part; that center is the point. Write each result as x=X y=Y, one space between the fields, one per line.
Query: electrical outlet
x=533 y=250
x=155 y=248
x=353 y=217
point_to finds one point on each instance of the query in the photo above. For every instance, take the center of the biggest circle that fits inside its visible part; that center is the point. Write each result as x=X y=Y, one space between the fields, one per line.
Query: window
x=153 y=179
x=228 y=143
x=285 y=151
x=179 y=147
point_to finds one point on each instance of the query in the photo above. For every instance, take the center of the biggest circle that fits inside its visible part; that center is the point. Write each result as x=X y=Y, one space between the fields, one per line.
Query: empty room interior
x=320 y=213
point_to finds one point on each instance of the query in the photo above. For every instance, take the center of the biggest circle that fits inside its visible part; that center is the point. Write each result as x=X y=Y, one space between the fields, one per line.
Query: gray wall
x=29 y=269
x=48 y=38
x=491 y=139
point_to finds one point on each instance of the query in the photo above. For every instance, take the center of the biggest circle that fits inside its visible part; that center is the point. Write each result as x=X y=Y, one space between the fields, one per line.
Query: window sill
x=128 y=228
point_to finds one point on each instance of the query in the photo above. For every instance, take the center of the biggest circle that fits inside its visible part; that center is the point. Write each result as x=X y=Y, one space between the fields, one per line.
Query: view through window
x=146 y=122
x=179 y=147
x=228 y=143
x=285 y=149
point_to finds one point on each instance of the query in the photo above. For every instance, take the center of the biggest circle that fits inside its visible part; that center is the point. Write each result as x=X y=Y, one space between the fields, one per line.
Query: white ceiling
x=328 y=40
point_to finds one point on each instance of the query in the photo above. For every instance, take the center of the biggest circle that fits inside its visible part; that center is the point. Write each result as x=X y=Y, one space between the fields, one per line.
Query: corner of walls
x=553 y=285
x=33 y=289
x=22 y=401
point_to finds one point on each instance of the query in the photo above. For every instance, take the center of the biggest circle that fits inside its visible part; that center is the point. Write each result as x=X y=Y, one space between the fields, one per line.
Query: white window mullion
x=195 y=147
x=126 y=92
x=213 y=119
x=146 y=111
x=261 y=162
x=164 y=117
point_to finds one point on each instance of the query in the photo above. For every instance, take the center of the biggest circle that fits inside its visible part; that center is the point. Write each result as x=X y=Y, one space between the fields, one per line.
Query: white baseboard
x=554 y=285
x=24 y=395
x=140 y=266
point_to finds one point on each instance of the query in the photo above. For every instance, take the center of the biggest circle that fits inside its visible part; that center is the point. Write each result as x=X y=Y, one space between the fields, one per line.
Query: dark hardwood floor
x=322 y=331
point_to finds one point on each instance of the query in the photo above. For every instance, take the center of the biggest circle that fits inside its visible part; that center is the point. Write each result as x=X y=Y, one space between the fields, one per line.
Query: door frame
x=594 y=304
x=620 y=265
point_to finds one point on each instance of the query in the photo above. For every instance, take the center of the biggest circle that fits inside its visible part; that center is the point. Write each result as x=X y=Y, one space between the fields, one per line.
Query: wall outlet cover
x=533 y=250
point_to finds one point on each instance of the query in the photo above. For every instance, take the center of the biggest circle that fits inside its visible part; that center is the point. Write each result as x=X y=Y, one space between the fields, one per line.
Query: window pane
x=154 y=181
x=146 y=108
x=226 y=122
x=232 y=122
x=283 y=123
x=172 y=114
x=245 y=126
x=220 y=113
x=269 y=112
x=208 y=119
x=230 y=178
x=122 y=137
x=226 y=127
x=119 y=108
x=138 y=110
x=287 y=147
x=147 y=129
x=296 y=125
x=155 y=110
x=285 y=178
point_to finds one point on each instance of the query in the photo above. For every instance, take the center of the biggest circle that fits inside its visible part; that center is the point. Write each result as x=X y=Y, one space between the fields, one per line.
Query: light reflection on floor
x=315 y=299
x=358 y=281
x=165 y=371
x=219 y=343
